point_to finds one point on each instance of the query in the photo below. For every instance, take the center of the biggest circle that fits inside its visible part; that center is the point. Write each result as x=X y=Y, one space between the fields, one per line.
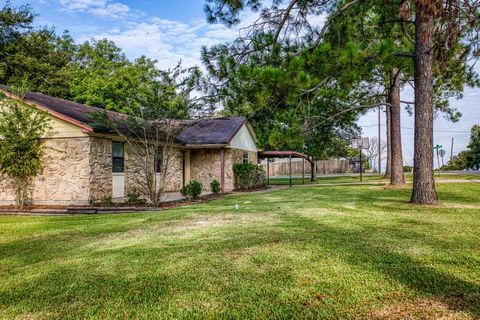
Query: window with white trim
x=118 y=157
x=245 y=157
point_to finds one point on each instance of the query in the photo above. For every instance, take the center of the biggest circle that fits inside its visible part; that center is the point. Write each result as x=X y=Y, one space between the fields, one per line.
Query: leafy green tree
x=37 y=56
x=13 y=22
x=474 y=147
x=95 y=73
x=274 y=89
x=461 y=161
x=102 y=76
x=21 y=127
x=470 y=158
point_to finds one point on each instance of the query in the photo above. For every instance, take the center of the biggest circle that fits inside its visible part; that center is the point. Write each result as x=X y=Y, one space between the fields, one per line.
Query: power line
x=447 y=131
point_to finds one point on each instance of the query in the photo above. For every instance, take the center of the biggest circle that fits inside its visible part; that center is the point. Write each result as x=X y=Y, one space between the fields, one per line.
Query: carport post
x=290 y=168
x=303 y=170
x=268 y=171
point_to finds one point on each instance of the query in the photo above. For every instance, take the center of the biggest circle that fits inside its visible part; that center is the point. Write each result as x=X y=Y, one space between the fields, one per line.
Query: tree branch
x=286 y=14
x=330 y=20
x=404 y=54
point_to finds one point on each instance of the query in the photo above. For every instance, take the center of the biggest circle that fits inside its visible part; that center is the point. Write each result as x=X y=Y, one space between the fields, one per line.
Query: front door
x=118 y=169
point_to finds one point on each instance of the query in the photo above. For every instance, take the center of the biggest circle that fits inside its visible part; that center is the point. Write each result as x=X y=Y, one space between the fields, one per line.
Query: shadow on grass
x=139 y=275
x=357 y=248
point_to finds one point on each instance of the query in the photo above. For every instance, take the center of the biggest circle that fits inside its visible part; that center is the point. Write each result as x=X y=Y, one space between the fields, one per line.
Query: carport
x=287 y=154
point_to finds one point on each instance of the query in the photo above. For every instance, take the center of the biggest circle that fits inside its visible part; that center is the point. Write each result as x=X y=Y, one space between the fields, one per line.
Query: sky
x=175 y=30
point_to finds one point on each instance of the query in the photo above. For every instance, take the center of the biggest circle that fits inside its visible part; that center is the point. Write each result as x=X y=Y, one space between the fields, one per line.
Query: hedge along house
x=84 y=162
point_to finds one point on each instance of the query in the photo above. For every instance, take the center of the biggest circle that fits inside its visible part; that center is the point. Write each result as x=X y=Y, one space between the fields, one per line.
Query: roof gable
x=244 y=139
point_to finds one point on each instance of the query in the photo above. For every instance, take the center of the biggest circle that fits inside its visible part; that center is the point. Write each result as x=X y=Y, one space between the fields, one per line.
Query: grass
x=311 y=252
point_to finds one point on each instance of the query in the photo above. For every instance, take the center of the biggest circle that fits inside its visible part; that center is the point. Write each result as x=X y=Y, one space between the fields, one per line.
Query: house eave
x=204 y=146
x=85 y=128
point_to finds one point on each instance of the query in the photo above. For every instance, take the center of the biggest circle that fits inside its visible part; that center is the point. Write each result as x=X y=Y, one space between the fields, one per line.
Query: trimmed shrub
x=106 y=201
x=248 y=176
x=407 y=169
x=183 y=191
x=133 y=197
x=192 y=190
x=215 y=186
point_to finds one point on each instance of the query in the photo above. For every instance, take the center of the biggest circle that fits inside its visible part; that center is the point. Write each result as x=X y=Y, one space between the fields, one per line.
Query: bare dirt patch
x=452 y=205
x=425 y=309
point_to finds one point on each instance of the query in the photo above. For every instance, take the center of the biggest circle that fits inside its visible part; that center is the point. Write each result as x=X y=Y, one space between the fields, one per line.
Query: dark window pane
x=159 y=160
x=117 y=165
x=117 y=149
x=117 y=157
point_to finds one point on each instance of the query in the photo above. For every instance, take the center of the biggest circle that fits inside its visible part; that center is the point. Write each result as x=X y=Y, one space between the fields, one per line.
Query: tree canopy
x=95 y=72
x=470 y=158
x=371 y=43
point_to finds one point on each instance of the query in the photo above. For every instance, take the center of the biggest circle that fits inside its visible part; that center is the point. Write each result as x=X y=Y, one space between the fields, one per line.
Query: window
x=118 y=157
x=159 y=160
x=245 y=157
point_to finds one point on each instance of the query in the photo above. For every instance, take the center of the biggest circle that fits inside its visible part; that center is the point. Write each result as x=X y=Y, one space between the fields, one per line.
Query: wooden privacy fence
x=281 y=167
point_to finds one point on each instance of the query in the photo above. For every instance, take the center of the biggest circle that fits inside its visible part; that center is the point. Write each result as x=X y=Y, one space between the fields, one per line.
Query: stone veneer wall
x=79 y=170
x=205 y=165
x=100 y=165
x=174 y=178
x=134 y=169
x=64 y=179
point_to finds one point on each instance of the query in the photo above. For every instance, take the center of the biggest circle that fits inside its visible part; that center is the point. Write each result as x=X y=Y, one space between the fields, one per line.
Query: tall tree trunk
x=423 y=181
x=396 y=160
x=389 y=143
x=313 y=171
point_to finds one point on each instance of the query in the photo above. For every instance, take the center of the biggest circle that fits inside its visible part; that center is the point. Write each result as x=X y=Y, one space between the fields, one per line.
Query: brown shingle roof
x=211 y=131
x=195 y=132
x=69 y=110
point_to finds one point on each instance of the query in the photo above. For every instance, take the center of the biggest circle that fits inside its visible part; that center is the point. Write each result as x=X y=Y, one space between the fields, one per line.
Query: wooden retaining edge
x=76 y=210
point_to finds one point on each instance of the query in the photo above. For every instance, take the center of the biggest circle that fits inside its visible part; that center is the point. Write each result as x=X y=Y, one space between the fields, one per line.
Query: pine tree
x=447 y=31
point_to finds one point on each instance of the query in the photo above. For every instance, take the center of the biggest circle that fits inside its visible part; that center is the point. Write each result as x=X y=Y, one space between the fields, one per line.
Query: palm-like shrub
x=21 y=127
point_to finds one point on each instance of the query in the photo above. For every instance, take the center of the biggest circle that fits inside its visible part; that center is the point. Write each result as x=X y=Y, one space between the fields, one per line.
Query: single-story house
x=83 y=163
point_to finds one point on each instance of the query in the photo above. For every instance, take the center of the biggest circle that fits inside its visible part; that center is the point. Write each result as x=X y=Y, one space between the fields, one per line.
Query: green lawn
x=308 y=252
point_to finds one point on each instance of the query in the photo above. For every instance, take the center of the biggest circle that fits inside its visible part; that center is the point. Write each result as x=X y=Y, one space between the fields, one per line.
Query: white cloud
x=103 y=8
x=165 y=40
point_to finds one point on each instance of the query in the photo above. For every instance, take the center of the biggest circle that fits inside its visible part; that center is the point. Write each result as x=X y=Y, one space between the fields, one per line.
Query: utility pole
x=379 y=144
x=451 y=151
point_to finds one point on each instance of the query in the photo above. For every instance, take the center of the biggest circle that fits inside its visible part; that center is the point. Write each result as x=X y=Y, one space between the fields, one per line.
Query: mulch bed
x=116 y=208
